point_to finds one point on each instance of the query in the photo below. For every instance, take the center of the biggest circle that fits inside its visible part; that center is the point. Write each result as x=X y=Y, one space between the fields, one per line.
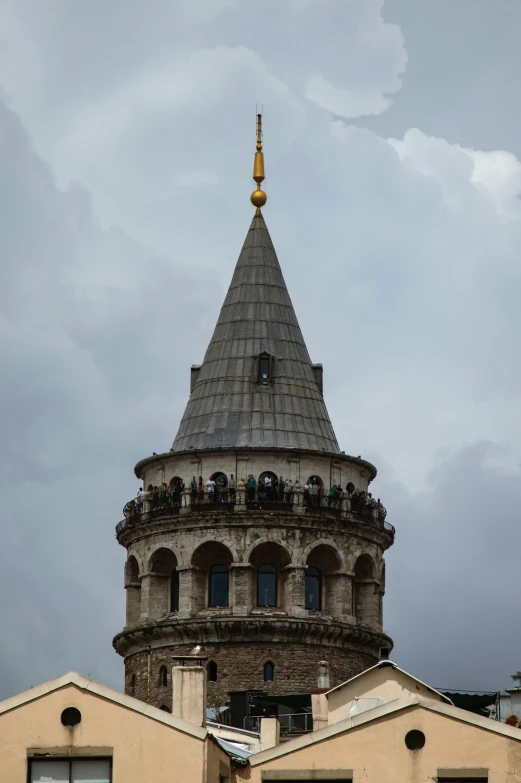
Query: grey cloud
x=401 y=257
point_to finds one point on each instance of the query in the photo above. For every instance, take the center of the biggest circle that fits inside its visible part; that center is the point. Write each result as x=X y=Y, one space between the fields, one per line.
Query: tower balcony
x=167 y=505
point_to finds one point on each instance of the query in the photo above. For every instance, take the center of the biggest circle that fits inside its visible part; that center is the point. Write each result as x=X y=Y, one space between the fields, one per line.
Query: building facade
x=280 y=563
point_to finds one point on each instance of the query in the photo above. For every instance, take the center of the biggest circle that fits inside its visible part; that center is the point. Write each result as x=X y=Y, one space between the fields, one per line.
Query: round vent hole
x=415 y=740
x=71 y=716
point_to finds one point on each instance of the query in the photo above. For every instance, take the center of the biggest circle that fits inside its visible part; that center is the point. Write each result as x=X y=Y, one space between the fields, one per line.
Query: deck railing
x=170 y=503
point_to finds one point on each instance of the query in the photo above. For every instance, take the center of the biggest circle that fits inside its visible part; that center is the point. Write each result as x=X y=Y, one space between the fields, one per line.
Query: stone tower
x=270 y=580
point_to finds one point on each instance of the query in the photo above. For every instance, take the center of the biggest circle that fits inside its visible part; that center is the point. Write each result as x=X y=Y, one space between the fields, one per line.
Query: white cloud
x=345 y=103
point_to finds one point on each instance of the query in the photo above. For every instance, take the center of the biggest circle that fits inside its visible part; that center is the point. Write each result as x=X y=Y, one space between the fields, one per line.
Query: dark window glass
x=174 y=591
x=218 y=594
x=269 y=671
x=267 y=586
x=313 y=588
x=264 y=368
x=211 y=672
x=163 y=676
x=70 y=770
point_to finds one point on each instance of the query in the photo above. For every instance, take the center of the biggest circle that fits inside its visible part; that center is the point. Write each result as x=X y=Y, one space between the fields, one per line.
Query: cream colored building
x=385 y=726
x=381 y=726
x=109 y=737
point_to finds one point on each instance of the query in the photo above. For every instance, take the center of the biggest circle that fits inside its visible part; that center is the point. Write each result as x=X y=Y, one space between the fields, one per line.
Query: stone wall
x=186 y=548
x=289 y=463
x=167 y=578
x=241 y=667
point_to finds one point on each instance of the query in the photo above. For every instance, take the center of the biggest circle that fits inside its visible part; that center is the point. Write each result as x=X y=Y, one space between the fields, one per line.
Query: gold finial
x=258 y=198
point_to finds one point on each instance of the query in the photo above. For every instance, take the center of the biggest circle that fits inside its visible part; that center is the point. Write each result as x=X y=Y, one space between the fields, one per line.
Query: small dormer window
x=265 y=365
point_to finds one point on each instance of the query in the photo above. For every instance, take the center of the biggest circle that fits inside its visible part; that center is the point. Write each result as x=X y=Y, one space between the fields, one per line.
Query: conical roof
x=229 y=406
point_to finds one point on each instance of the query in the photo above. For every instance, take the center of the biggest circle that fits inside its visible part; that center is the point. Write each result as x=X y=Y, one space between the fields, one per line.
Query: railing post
x=298 y=500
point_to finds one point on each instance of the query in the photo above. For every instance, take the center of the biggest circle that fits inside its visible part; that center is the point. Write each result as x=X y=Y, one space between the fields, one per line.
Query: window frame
x=319 y=576
x=266 y=664
x=211 y=573
x=265 y=357
x=173 y=596
x=273 y=573
x=71 y=760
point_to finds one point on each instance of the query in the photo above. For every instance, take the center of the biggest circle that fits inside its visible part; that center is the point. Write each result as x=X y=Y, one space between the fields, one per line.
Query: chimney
x=189 y=694
x=269 y=733
x=323 y=675
x=319 y=710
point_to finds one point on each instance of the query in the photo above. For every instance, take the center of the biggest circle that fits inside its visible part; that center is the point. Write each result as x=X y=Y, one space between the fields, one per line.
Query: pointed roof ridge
x=229 y=405
x=104 y=691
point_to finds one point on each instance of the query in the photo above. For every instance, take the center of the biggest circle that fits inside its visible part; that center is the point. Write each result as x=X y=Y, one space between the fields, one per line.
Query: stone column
x=338 y=596
x=186 y=594
x=145 y=596
x=241 y=597
x=294 y=591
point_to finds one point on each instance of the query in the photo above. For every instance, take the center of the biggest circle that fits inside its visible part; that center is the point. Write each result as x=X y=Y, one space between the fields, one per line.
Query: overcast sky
x=392 y=137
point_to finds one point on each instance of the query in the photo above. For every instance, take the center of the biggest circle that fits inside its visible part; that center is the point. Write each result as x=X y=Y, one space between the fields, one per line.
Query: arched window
x=133 y=685
x=267 y=486
x=165 y=708
x=350 y=487
x=267 y=585
x=222 y=477
x=211 y=671
x=163 y=676
x=218 y=587
x=269 y=672
x=174 y=591
x=313 y=588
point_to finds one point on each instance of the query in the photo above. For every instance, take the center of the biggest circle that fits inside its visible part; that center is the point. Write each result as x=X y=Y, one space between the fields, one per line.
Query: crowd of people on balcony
x=268 y=488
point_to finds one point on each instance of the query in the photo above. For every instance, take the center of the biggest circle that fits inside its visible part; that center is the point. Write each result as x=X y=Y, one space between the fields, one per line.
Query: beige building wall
x=385 y=682
x=376 y=752
x=144 y=749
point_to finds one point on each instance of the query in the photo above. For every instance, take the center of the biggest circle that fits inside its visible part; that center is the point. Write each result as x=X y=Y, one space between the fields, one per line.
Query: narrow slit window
x=265 y=368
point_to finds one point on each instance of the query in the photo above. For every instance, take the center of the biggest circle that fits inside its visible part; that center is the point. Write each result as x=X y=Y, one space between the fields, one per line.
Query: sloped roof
x=389 y=709
x=228 y=406
x=86 y=684
x=389 y=664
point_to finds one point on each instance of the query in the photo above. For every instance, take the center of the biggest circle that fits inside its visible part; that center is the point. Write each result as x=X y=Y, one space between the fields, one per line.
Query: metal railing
x=290 y=723
x=296 y=500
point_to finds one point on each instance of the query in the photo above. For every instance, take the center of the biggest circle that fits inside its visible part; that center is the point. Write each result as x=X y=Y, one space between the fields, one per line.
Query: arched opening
x=175 y=491
x=350 y=487
x=174 y=590
x=133 y=588
x=163 y=676
x=324 y=588
x=270 y=560
x=162 y=566
x=221 y=486
x=211 y=575
x=165 y=708
x=365 y=607
x=315 y=490
x=132 y=686
x=269 y=672
x=267 y=585
x=267 y=486
x=211 y=671
x=313 y=588
x=218 y=585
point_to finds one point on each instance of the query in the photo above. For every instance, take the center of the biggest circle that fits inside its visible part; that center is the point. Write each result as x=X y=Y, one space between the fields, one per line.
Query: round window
x=415 y=740
x=71 y=716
